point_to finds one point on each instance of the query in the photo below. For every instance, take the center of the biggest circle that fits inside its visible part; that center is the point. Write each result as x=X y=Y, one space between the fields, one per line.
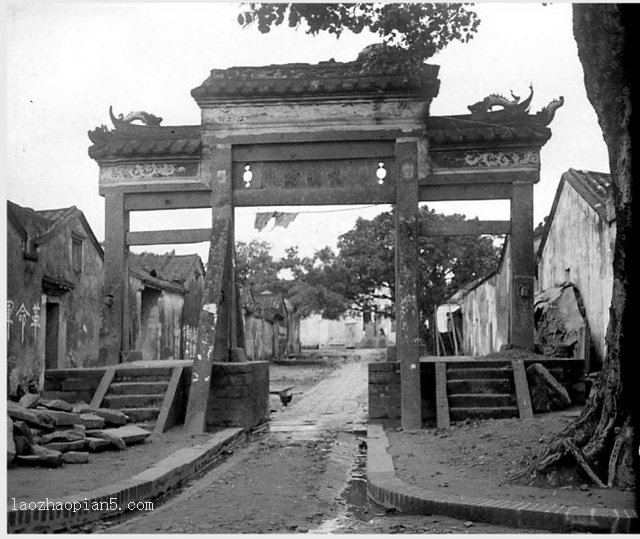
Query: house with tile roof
x=573 y=245
x=271 y=326
x=577 y=246
x=54 y=283
x=165 y=296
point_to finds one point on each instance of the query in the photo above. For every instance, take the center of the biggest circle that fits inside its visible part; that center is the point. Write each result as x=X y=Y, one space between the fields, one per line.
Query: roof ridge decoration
x=513 y=108
x=123 y=122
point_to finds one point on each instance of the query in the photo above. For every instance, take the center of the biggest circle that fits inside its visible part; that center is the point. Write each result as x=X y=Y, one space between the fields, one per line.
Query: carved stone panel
x=342 y=173
x=487 y=159
x=130 y=173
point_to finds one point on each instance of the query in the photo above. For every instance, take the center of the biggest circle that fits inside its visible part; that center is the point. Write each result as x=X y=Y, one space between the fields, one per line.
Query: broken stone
x=61 y=419
x=11 y=445
x=75 y=457
x=32 y=417
x=63 y=447
x=22 y=429
x=92 y=421
x=111 y=417
x=47 y=458
x=57 y=404
x=96 y=445
x=81 y=408
x=546 y=392
x=112 y=438
x=131 y=434
x=22 y=444
x=29 y=400
x=61 y=436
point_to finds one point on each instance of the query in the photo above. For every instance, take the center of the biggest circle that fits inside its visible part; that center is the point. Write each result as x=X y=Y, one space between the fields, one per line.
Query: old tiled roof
x=490 y=128
x=145 y=141
x=368 y=74
x=40 y=225
x=594 y=187
x=324 y=78
x=168 y=271
x=28 y=221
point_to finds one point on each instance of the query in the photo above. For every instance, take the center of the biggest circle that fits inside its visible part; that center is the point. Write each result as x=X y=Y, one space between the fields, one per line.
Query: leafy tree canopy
x=363 y=270
x=421 y=28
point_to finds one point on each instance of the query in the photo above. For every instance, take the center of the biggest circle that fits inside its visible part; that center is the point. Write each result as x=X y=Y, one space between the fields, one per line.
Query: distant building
x=272 y=328
x=577 y=247
x=369 y=329
x=165 y=298
x=54 y=282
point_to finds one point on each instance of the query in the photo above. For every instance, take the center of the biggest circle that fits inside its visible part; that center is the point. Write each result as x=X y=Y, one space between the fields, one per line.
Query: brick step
x=481 y=400
x=132 y=401
x=138 y=388
x=141 y=374
x=456 y=373
x=503 y=412
x=140 y=415
x=480 y=385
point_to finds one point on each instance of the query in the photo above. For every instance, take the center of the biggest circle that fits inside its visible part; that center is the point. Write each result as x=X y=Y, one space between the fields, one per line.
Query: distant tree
x=365 y=265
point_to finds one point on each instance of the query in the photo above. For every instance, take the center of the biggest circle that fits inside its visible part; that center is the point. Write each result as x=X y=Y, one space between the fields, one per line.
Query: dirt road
x=303 y=476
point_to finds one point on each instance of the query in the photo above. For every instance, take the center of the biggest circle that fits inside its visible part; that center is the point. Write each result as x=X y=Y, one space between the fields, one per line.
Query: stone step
x=456 y=373
x=132 y=401
x=143 y=374
x=477 y=364
x=141 y=414
x=481 y=400
x=480 y=385
x=138 y=388
x=503 y=412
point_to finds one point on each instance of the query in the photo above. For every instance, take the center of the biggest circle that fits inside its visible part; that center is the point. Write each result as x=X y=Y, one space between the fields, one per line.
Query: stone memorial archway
x=300 y=134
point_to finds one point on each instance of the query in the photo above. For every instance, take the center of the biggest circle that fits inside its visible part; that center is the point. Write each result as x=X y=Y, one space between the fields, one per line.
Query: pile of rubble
x=51 y=432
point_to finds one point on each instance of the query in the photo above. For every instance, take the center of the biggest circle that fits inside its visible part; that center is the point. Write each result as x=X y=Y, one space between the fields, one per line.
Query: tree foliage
x=363 y=270
x=422 y=28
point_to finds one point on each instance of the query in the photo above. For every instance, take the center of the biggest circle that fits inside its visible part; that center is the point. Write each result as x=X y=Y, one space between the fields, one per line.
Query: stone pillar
x=407 y=315
x=114 y=331
x=214 y=327
x=522 y=265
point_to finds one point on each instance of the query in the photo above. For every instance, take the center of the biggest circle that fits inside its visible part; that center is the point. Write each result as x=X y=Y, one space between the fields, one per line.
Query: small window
x=76 y=254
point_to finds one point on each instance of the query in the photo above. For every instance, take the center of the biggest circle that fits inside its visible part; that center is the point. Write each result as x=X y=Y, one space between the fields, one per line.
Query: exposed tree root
x=577 y=454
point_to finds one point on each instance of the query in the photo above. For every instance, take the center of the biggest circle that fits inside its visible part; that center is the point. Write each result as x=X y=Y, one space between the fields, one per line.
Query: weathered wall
x=349 y=332
x=25 y=359
x=238 y=395
x=384 y=392
x=259 y=338
x=485 y=312
x=155 y=321
x=78 y=309
x=582 y=243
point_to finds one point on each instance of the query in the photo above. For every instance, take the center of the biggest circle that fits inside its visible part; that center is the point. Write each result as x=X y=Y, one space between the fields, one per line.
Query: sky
x=67 y=62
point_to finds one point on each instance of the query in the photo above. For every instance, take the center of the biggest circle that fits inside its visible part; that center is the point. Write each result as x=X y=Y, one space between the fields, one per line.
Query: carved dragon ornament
x=514 y=107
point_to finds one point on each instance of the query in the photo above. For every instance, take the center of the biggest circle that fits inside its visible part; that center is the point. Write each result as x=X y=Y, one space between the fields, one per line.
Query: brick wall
x=72 y=385
x=384 y=391
x=239 y=394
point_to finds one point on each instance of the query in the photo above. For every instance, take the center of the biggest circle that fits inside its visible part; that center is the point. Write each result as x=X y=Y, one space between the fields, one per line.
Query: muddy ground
x=478 y=458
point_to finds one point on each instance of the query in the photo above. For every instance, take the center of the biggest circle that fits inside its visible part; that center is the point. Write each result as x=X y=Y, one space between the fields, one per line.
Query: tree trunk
x=600 y=442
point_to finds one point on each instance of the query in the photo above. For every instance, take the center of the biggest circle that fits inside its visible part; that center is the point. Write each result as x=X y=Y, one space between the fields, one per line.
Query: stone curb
x=385 y=489
x=112 y=500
